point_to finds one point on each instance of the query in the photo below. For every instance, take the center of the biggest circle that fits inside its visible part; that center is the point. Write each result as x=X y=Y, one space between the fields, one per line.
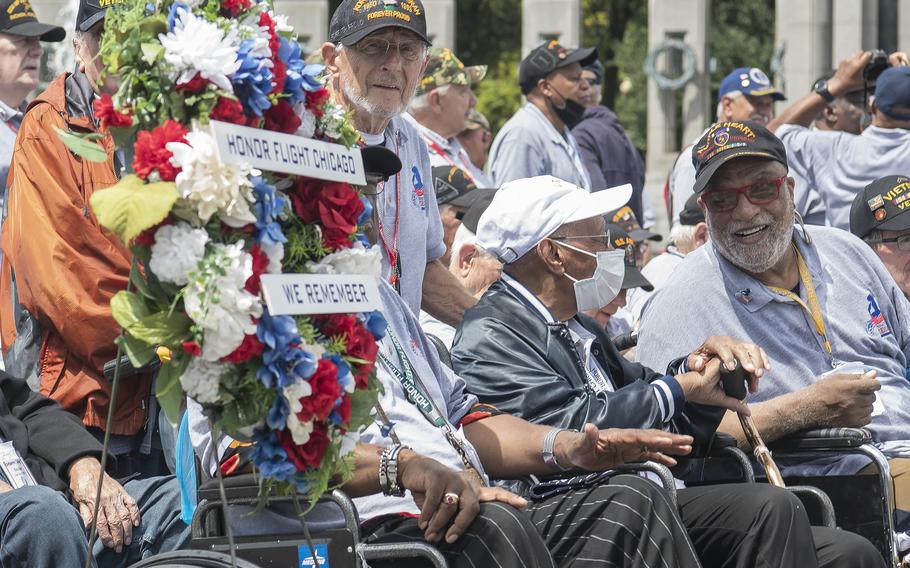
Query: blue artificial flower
x=345 y=378
x=367 y=211
x=375 y=324
x=270 y=458
x=278 y=413
x=276 y=331
x=149 y=8
x=300 y=482
x=269 y=204
x=172 y=14
x=252 y=81
x=300 y=77
x=283 y=361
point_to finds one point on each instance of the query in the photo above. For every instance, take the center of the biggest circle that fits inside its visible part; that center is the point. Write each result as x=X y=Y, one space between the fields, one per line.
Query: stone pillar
x=805 y=35
x=542 y=20
x=687 y=20
x=310 y=19
x=441 y=22
x=854 y=26
x=903 y=25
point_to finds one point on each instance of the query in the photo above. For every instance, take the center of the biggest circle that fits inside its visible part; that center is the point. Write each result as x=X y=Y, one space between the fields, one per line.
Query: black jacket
x=47 y=437
x=514 y=360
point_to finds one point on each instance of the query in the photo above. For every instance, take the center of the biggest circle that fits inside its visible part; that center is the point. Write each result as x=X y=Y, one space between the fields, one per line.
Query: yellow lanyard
x=814 y=309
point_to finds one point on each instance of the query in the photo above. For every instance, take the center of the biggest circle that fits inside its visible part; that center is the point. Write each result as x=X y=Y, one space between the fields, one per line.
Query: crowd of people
x=522 y=253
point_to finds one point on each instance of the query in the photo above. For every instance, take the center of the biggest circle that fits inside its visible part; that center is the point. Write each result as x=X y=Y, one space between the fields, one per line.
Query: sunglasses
x=903 y=242
x=758 y=193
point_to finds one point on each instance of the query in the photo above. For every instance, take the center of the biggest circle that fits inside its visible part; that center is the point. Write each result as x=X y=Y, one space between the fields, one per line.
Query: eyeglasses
x=603 y=239
x=903 y=242
x=758 y=193
x=378 y=48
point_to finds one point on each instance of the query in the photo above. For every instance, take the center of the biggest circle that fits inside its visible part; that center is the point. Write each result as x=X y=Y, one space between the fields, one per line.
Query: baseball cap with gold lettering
x=353 y=20
x=18 y=18
x=883 y=205
x=92 y=11
x=621 y=240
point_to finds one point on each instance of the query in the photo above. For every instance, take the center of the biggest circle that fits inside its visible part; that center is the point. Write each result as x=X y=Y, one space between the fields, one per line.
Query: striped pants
x=626 y=521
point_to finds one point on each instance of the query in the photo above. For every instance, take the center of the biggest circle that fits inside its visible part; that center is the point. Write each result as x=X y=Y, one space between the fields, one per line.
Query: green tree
x=741 y=35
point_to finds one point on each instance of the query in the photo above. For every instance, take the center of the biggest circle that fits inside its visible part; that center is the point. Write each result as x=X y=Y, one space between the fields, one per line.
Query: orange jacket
x=67 y=267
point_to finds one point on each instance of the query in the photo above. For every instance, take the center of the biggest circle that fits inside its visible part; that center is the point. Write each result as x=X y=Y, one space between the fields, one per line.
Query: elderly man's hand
x=118 y=513
x=599 y=450
x=704 y=387
x=849 y=74
x=753 y=358
x=899 y=59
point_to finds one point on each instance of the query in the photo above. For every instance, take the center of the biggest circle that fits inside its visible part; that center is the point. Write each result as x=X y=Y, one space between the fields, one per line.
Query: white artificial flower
x=177 y=250
x=275 y=253
x=333 y=119
x=316 y=350
x=202 y=379
x=300 y=431
x=354 y=260
x=307 y=126
x=209 y=186
x=282 y=26
x=198 y=46
x=348 y=443
x=216 y=300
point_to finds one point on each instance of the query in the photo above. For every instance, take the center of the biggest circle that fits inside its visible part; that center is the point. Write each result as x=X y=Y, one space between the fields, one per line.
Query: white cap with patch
x=526 y=211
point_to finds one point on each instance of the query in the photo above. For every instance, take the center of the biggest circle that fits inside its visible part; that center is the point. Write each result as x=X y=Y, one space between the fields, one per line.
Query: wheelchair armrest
x=242 y=486
x=821 y=499
x=823 y=439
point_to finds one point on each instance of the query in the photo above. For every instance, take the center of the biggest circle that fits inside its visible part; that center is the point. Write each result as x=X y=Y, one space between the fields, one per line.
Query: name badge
x=14 y=467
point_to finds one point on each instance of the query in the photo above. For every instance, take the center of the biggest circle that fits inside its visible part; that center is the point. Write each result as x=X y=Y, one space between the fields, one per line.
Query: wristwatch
x=821 y=87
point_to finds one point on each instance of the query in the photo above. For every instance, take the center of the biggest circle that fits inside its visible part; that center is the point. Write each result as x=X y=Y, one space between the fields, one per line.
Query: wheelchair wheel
x=192 y=559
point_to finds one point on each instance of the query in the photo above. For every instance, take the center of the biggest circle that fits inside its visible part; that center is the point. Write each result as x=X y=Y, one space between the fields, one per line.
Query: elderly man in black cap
x=21 y=35
x=537 y=140
x=376 y=55
x=879 y=217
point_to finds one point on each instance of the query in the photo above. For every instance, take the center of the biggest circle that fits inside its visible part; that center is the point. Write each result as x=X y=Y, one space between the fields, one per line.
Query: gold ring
x=450 y=498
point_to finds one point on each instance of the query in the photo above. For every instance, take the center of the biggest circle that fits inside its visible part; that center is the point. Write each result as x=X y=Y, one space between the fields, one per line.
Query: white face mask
x=595 y=292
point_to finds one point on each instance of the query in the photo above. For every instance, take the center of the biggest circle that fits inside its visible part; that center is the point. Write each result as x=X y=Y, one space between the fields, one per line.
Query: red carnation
x=260 y=265
x=336 y=206
x=310 y=454
x=249 y=348
x=228 y=110
x=266 y=21
x=232 y=8
x=326 y=390
x=151 y=153
x=107 y=115
x=279 y=74
x=316 y=99
x=360 y=344
x=195 y=85
x=191 y=348
x=344 y=409
x=337 y=325
x=281 y=118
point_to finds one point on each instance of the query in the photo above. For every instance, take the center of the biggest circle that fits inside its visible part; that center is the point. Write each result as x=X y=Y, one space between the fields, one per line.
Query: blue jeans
x=40 y=528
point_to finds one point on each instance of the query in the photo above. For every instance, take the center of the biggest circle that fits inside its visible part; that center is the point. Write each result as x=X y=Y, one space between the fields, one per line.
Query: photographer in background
x=840 y=163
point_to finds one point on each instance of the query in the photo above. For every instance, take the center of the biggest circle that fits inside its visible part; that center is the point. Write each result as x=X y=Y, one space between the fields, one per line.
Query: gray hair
x=683 y=236
x=464 y=236
x=874 y=237
x=421 y=102
x=720 y=104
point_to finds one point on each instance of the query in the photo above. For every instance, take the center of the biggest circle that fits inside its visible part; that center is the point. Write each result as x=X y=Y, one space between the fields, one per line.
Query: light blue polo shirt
x=839 y=164
x=866 y=314
x=528 y=145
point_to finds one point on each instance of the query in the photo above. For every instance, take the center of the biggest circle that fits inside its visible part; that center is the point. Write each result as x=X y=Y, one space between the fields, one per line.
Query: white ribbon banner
x=287 y=153
x=304 y=294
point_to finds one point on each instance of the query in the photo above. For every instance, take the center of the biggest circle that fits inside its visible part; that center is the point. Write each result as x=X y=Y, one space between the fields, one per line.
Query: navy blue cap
x=892 y=89
x=749 y=81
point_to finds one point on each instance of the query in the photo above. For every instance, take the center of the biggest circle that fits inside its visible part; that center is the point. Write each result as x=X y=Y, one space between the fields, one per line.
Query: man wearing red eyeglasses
x=832 y=320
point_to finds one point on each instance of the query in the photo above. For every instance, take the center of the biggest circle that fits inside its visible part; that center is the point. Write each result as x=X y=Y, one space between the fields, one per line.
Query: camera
x=876 y=65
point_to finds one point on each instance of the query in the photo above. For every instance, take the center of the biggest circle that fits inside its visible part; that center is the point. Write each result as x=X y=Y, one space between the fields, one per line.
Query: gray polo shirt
x=420 y=228
x=528 y=145
x=867 y=319
x=839 y=165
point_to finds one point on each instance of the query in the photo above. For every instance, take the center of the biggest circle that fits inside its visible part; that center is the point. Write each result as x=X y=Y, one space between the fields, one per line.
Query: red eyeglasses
x=758 y=193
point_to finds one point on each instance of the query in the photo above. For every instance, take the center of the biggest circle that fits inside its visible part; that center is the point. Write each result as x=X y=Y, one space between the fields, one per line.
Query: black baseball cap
x=625 y=218
x=452 y=184
x=18 y=18
x=621 y=240
x=548 y=57
x=353 y=20
x=92 y=11
x=883 y=205
x=379 y=163
x=479 y=201
x=727 y=141
x=692 y=213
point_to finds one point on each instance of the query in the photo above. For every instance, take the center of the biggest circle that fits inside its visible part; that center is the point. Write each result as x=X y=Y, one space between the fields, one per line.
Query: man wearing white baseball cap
x=527 y=349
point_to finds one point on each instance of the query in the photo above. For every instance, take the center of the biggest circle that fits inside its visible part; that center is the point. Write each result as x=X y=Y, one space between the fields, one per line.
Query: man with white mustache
x=832 y=320
x=376 y=55
x=745 y=94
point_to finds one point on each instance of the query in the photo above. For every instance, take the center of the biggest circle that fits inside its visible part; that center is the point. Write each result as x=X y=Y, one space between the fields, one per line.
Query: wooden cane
x=734 y=385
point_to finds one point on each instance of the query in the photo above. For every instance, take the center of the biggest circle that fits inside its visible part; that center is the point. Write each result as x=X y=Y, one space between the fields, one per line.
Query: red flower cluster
x=315 y=100
x=279 y=71
x=195 y=85
x=260 y=264
x=249 y=348
x=326 y=390
x=151 y=153
x=107 y=115
x=334 y=205
x=232 y=8
x=281 y=117
x=147 y=237
x=310 y=454
x=192 y=348
x=359 y=344
x=228 y=110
